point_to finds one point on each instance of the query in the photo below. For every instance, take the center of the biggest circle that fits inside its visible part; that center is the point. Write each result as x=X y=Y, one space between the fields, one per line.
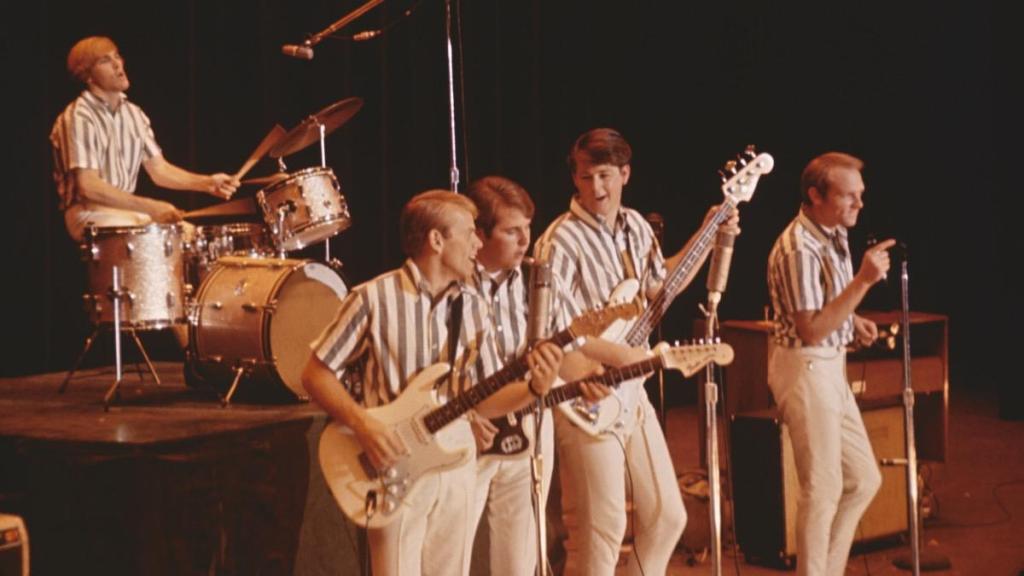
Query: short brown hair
x=818 y=171
x=84 y=54
x=429 y=211
x=601 y=146
x=493 y=192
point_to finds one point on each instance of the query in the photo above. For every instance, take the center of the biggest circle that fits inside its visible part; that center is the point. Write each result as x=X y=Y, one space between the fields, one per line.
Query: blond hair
x=84 y=54
x=430 y=210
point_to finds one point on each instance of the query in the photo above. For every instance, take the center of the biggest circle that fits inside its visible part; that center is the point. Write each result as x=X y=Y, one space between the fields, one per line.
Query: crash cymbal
x=237 y=207
x=308 y=131
x=265 y=180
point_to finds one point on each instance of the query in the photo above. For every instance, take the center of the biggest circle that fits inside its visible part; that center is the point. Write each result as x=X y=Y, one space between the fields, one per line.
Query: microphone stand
x=539 y=284
x=341 y=23
x=914 y=562
x=453 y=170
x=711 y=437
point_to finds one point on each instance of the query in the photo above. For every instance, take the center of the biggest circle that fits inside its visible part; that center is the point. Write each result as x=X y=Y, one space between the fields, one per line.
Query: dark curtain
x=906 y=86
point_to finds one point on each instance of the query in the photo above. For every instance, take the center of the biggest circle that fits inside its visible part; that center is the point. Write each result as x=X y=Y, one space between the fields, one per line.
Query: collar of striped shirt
x=838 y=238
x=416 y=276
x=595 y=221
x=99 y=103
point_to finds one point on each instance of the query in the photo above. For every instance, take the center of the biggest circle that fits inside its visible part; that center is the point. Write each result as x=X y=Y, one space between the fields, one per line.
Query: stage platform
x=166 y=481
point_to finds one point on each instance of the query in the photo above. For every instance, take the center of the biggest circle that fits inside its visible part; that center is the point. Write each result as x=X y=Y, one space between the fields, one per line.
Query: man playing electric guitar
x=403 y=322
x=504 y=486
x=595 y=246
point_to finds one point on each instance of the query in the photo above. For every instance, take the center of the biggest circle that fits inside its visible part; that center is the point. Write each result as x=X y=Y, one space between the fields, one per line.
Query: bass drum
x=259 y=316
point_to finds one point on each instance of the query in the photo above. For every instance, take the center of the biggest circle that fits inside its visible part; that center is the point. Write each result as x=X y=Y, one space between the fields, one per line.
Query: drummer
x=99 y=142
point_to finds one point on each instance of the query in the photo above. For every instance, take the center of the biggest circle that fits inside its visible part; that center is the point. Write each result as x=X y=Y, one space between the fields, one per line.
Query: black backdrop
x=906 y=86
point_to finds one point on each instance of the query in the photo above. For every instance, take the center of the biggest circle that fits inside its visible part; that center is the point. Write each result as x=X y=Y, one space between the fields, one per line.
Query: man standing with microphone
x=814 y=294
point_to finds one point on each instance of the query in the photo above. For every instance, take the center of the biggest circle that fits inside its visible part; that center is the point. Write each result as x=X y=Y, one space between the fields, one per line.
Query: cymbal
x=237 y=207
x=264 y=180
x=308 y=131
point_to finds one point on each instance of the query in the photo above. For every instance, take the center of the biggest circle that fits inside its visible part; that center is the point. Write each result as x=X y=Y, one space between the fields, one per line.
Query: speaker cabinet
x=766 y=489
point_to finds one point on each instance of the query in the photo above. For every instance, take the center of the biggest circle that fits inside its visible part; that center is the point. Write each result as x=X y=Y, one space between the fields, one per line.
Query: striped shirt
x=807 y=268
x=90 y=135
x=506 y=294
x=396 y=325
x=587 y=255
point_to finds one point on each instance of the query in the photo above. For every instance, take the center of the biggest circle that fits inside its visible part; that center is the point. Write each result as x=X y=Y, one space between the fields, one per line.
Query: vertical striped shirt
x=587 y=255
x=91 y=135
x=807 y=268
x=396 y=325
x=505 y=291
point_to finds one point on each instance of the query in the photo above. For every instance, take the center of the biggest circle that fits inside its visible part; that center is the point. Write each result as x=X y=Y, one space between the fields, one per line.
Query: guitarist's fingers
x=594 y=391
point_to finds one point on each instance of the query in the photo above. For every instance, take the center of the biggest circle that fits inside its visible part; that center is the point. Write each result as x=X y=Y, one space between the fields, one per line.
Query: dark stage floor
x=194 y=448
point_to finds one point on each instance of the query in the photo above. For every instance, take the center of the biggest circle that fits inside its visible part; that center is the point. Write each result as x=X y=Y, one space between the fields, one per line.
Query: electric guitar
x=511 y=441
x=739 y=181
x=372 y=498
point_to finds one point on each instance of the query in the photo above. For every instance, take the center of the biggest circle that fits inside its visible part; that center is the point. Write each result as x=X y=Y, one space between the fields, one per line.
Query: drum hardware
x=254 y=319
x=115 y=294
x=316 y=127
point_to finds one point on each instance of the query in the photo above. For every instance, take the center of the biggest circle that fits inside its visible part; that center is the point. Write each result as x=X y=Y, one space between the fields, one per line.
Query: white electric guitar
x=511 y=441
x=372 y=498
x=739 y=182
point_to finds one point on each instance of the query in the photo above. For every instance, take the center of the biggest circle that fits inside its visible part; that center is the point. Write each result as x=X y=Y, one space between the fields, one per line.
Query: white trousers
x=835 y=464
x=430 y=537
x=595 y=475
x=504 y=488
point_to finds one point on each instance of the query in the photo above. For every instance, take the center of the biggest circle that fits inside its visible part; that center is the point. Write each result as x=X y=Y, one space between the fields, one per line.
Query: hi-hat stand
x=115 y=294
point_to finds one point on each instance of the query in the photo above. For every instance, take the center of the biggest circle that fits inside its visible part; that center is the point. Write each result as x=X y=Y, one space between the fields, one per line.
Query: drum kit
x=251 y=312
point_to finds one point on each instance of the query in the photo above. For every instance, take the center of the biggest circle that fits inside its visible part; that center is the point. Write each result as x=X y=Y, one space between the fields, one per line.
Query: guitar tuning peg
x=723 y=176
x=730 y=167
x=750 y=152
x=742 y=160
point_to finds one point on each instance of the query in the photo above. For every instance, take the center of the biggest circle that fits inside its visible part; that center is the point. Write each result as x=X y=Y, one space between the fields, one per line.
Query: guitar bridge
x=590 y=412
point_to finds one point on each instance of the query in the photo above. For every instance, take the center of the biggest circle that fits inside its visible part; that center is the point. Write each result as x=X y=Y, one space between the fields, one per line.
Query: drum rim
x=299 y=175
x=345 y=222
x=93 y=231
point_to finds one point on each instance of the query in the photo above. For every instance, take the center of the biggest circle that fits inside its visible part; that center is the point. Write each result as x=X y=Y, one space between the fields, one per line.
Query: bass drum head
x=261 y=314
x=307 y=301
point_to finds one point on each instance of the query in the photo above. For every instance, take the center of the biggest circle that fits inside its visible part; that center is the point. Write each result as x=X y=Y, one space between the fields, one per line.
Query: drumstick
x=272 y=137
x=237 y=207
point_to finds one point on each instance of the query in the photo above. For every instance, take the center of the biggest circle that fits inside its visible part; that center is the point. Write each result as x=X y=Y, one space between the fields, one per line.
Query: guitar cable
x=632 y=513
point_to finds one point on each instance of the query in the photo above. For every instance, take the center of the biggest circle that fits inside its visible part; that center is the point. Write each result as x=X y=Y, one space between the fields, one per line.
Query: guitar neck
x=611 y=377
x=657 y=307
x=443 y=415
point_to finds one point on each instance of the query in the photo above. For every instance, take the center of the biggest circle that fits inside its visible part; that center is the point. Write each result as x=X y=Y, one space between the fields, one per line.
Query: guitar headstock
x=690 y=358
x=595 y=322
x=740 y=176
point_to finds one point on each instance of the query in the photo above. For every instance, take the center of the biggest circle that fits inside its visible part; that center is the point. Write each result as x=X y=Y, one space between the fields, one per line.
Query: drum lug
x=217 y=358
x=129 y=248
x=170 y=301
x=168 y=247
x=250 y=307
x=217 y=305
x=92 y=252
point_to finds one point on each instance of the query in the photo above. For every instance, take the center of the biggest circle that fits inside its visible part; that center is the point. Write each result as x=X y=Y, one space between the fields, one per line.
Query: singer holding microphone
x=592 y=248
x=814 y=295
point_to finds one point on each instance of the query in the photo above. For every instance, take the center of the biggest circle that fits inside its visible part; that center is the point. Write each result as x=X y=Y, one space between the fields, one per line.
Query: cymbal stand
x=278 y=232
x=711 y=437
x=323 y=164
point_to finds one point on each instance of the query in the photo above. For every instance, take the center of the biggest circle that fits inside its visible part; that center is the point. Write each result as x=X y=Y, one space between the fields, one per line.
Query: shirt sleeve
x=343 y=339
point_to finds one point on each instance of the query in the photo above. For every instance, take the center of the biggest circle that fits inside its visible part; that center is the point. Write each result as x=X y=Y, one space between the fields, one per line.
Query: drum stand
x=114 y=294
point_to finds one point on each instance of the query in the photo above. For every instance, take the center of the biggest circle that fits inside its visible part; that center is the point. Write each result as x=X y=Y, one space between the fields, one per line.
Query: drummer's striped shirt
x=807 y=268
x=394 y=324
x=90 y=135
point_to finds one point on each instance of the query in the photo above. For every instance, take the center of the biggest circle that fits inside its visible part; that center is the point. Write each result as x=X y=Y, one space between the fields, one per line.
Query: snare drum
x=150 y=262
x=311 y=206
x=216 y=241
x=261 y=314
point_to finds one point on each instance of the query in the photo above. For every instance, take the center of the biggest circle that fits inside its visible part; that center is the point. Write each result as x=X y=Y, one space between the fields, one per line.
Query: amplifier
x=13 y=546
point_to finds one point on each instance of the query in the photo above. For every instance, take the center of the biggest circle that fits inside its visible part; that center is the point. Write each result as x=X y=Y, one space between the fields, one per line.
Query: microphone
x=303 y=51
x=538 y=313
x=365 y=35
x=718 y=274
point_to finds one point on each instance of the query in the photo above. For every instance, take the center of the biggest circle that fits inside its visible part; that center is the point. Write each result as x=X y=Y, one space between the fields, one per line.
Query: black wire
x=632 y=513
x=1007 y=515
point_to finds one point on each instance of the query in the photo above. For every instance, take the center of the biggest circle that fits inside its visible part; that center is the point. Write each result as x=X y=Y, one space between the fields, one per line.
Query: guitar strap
x=627 y=255
x=454 y=331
